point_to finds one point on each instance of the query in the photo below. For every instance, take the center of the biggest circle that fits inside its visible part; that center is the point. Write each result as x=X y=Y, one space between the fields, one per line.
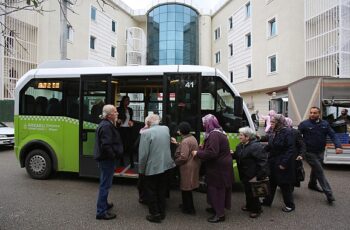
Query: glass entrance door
x=93 y=96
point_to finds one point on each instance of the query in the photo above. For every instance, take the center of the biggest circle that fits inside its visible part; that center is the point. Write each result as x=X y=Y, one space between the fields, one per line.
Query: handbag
x=300 y=172
x=260 y=188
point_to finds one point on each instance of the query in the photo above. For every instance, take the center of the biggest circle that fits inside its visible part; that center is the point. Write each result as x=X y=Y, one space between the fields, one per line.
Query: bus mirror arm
x=238 y=106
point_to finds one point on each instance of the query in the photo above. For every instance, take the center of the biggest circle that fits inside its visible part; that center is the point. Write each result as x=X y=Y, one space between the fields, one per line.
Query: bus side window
x=54 y=107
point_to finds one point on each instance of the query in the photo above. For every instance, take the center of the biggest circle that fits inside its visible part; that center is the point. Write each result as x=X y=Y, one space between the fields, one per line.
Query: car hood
x=7 y=130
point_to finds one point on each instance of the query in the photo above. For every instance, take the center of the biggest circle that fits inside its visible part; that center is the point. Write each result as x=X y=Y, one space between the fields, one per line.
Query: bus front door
x=93 y=96
x=182 y=102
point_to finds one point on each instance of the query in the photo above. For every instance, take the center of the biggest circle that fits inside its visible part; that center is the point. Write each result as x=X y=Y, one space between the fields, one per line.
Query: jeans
x=315 y=161
x=106 y=180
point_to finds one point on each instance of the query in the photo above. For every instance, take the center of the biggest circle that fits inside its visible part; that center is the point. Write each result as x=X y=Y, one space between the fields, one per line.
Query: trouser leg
x=216 y=197
x=252 y=203
x=315 y=161
x=162 y=190
x=151 y=189
x=287 y=195
x=269 y=199
x=187 y=201
x=106 y=181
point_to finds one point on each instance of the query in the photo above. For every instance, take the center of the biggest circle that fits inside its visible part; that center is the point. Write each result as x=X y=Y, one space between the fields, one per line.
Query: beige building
x=262 y=46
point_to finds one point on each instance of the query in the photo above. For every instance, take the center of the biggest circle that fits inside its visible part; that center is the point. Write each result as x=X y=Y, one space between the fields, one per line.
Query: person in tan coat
x=188 y=166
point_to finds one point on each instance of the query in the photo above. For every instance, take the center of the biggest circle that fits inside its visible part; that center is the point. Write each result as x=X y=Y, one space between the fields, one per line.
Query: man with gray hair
x=108 y=147
x=154 y=160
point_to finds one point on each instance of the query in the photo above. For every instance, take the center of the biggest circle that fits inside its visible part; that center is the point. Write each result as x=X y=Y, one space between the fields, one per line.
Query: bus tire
x=38 y=164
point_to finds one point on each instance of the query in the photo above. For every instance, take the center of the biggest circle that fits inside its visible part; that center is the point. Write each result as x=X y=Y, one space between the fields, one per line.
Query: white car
x=7 y=135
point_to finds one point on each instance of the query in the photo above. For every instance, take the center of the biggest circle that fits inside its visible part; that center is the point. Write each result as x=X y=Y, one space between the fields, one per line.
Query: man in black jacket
x=315 y=131
x=108 y=147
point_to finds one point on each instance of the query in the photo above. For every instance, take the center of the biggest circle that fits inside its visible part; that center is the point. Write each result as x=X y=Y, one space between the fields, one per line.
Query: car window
x=2 y=125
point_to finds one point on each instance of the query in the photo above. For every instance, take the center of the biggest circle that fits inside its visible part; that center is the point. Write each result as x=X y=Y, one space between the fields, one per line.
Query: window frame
x=93 y=13
x=230 y=46
x=217 y=57
x=249 y=71
x=248 y=10
x=230 y=23
x=114 y=26
x=248 y=40
x=269 y=58
x=269 y=27
x=113 y=51
x=92 y=39
x=217 y=33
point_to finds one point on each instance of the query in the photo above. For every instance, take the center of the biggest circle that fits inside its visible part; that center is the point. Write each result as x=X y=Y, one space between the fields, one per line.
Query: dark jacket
x=108 y=145
x=315 y=134
x=218 y=160
x=122 y=115
x=281 y=150
x=252 y=161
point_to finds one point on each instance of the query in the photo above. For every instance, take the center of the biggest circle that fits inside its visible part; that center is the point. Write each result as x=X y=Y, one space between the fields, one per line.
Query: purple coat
x=218 y=160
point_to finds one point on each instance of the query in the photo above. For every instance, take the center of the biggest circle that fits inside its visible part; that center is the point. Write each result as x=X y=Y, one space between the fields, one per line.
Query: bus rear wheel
x=38 y=164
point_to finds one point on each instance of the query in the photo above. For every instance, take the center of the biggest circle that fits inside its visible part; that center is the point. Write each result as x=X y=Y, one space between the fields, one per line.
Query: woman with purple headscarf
x=218 y=162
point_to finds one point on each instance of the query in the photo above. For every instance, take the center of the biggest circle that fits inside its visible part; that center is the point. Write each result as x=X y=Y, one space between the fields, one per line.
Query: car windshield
x=2 y=125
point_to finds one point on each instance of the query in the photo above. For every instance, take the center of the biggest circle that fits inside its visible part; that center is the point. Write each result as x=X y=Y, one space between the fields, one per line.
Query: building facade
x=262 y=46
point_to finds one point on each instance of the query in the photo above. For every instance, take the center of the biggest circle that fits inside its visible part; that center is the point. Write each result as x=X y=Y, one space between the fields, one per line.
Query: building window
x=231 y=76
x=69 y=33
x=248 y=38
x=231 y=49
x=217 y=57
x=217 y=33
x=272 y=27
x=230 y=23
x=92 y=42
x=247 y=10
x=112 y=51
x=113 y=26
x=93 y=13
x=249 y=71
x=272 y=62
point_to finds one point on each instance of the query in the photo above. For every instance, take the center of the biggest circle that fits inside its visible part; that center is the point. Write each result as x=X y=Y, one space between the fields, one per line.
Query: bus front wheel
x=38 y=164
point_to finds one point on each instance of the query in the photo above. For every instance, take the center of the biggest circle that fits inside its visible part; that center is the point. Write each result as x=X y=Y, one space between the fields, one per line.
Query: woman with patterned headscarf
x=281 y=162
x=218 y=162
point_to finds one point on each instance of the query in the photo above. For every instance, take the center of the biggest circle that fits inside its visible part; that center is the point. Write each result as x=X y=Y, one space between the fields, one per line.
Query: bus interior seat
x=41 y=105
x=29 y=105
x=54 y=107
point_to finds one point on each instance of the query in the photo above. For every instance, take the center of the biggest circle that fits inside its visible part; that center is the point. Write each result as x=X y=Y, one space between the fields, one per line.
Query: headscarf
x=280 y=122
x=211 y=123
x=272 y=113
x=289 y=122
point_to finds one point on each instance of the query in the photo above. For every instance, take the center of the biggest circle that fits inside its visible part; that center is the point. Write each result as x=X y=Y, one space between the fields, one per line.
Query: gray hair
x=107 y=109
x=152 y=119
x=248 y=132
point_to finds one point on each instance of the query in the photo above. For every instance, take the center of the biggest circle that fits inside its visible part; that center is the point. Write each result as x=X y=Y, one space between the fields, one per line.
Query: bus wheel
x=38 y=164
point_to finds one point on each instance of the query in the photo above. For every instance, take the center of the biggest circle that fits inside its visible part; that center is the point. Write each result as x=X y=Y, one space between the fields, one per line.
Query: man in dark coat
x=315 y=131
x=108 y=147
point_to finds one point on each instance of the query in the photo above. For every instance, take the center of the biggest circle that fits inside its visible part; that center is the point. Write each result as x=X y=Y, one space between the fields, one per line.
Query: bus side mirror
x=238 y=106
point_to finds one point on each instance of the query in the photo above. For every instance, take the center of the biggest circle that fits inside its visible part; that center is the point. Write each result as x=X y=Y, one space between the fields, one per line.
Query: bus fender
x=41 y=145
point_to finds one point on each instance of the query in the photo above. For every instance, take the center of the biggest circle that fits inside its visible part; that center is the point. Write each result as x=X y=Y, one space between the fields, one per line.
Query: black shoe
x=162 y=216
x=315 y=188
x=106 y=216
x=110 y=206
x=254 y=215
x=210 y=210
x=215 y=219
x=154 y=218
x=287 y=209
x=244 y=209
x=330 y=199
x=189 y=212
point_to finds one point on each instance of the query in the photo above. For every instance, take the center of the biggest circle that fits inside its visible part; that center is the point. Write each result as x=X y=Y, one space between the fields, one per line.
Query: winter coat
x=281 y=150
x=108 y=144
x=188 y=165
x=218 y=160
x=251 y=160
x=154 y=151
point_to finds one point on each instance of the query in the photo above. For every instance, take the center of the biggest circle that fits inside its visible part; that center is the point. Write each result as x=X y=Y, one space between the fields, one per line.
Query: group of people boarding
x=276 y=160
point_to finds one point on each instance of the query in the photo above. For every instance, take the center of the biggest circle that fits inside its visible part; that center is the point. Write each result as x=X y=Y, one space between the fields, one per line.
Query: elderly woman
x=218 y=164
x=188 y=165
x=281 y=162
x=252 y=160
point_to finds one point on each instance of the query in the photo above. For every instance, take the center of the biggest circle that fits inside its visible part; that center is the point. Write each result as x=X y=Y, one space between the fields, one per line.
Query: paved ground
x=68 y=202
